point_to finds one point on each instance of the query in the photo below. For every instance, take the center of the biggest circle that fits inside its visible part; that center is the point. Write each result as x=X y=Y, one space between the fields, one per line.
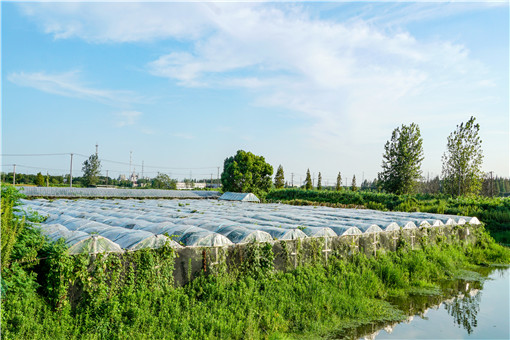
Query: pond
x=466 y=309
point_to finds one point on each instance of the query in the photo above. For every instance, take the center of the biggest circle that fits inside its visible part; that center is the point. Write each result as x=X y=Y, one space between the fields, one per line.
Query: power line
x=32 y=154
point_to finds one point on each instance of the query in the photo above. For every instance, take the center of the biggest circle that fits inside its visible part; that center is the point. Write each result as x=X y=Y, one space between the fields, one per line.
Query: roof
x=239 y=196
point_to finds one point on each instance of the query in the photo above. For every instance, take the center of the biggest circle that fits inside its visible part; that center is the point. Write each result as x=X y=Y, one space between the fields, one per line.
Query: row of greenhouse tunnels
x=126 y=224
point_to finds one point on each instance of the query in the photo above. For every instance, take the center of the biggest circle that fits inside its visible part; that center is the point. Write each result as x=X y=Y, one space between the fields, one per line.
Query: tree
x=308 y=181
x=163 y=181
x=319 y=182
x=39 y=179
x=246 y=172
x=279 y=180
x=463 y=159
x=354 y=187
x=338 y=182
x=91 y=169
x=402 y=159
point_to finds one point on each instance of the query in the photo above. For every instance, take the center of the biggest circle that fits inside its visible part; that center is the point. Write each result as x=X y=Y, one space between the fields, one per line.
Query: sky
x=182 y=86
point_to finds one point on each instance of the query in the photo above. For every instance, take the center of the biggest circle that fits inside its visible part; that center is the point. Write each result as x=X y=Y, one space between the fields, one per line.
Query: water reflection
x=460 y=300
x=464 y=308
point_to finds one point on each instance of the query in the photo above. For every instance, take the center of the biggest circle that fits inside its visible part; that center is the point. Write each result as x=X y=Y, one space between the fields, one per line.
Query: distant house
x=239 y=196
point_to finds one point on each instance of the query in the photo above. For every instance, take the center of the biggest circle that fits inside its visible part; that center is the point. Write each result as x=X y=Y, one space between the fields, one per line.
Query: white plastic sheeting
x=239 y=196
x=134 y=224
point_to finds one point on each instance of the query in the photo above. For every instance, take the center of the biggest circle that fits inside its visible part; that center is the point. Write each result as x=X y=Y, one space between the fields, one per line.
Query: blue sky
x=306 y=85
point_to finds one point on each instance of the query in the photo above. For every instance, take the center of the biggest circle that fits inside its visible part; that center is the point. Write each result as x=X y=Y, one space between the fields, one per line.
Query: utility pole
x=313 y=180
x=71 y=173
x=292 y=180
x=218 y=178
x=14 y=175
x=142 y=169
x=106 y=177
x=96 y=148
x=47 y=179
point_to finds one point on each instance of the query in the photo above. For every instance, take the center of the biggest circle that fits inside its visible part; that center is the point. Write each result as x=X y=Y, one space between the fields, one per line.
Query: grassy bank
x=132 y=295
x=494 y=212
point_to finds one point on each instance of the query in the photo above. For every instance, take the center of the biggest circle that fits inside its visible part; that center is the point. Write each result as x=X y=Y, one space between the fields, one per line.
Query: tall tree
x=319 y=182
x=163 y=181
x=39 y=179
x=462 y=160
x=354 y=187
x=403 y=154
x=308 y=181
x=338 y=182
x=279 y=180
x=246 y=172
x=91 y=169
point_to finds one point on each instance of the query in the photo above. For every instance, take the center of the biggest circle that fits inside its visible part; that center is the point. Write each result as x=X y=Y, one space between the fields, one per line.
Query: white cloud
x=69 y=85
x=119 y=22
x=127 y=118
x=352 y=80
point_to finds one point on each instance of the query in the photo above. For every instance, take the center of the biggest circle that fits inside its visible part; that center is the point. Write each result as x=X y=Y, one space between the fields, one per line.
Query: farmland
x=494 y=212
x=254 y=301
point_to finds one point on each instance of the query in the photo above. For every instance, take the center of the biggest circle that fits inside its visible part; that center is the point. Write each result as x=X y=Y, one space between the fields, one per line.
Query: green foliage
x=338 y=186
x=39 y=180
x=354 y=187
x=319 y=182
x=463 y=159
x=246 y=172
x=13 y=226
x=402 y=159
x=279 y=179
x=163 y=181
x=91 y=170
x=308 y=180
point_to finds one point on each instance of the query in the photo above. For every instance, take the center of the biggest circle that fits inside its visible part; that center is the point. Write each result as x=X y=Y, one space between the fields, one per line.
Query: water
x=467 y=310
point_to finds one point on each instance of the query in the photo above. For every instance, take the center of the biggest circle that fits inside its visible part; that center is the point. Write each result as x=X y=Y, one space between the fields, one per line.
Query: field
x=254 y=301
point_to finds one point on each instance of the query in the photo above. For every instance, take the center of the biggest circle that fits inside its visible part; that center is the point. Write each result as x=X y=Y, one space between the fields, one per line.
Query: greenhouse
x=240 y=197
x=129 y=224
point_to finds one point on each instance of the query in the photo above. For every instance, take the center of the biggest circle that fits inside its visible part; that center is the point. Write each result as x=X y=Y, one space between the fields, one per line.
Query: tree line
x=401 y=168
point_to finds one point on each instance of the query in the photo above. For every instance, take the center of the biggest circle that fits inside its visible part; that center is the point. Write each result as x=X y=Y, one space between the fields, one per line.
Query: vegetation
x=163 y=181
x=319 y=182
x=354 y=187
x=279 y=179
x=246 y=172
x=133 y=296
x=39 y=179
x=91 y=170
x=338 y=186
x=403 y=154
x=308 y=180
x=462 y=160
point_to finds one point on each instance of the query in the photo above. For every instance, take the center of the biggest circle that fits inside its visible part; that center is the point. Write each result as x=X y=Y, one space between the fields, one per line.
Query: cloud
x=119 y=22
x=69 y=85
x=346 y=78
x=127 y=118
